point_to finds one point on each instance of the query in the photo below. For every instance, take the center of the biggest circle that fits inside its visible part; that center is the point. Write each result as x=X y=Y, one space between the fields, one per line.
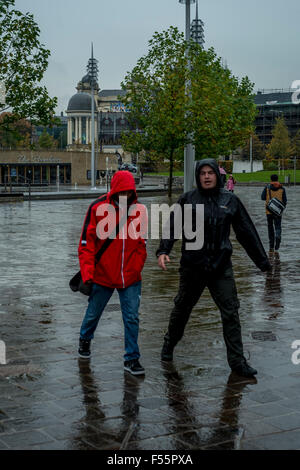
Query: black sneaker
x=84 y=348
x=167 y=352
x=244 y=370
x=134 y=367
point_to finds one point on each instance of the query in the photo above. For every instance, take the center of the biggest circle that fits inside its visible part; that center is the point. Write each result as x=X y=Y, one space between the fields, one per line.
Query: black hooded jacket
x=222 y=209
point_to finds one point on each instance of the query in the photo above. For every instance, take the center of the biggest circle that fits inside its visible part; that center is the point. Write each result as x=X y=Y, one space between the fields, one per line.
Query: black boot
x=277 y=244
x=244 y=370
x=84 y=348
x=167 y=351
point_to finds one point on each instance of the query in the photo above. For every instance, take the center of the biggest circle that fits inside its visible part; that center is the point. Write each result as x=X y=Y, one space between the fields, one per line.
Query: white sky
x=258 y=38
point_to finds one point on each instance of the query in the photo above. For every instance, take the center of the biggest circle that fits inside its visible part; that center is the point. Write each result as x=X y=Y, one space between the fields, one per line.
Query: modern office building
x=274 y=103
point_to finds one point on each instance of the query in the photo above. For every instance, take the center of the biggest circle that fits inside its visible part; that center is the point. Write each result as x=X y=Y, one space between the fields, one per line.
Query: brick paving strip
x=50 y=400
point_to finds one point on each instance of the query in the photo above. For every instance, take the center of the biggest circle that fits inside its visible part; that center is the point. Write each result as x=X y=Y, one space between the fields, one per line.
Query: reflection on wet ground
x=50 y=399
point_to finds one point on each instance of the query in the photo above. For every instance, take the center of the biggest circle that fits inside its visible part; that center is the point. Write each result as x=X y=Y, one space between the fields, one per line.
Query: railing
x=9 y=183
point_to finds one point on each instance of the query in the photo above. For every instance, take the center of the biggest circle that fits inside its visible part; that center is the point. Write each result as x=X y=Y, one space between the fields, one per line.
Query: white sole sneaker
x=140 y=372
x=84 y=357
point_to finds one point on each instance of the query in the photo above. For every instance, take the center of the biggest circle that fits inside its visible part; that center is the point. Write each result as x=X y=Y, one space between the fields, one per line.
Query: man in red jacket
x=120 y=265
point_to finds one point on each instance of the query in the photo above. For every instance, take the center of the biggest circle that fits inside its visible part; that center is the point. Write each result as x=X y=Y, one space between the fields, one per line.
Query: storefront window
x=37 y=174
x=44 y=174
x=21 y=174
x=52 y=174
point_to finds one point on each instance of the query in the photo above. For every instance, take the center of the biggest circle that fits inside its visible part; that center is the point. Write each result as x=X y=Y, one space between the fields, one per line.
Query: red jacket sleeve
x=87 y=246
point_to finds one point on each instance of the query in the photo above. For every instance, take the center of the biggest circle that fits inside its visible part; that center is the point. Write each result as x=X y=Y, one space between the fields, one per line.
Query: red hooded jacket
x=122 y=262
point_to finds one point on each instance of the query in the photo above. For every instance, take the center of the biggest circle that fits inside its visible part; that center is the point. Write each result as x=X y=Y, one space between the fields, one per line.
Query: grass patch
x=256 y=177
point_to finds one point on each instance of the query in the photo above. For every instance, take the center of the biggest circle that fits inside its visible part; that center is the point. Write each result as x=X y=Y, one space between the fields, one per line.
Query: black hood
x=213 y=164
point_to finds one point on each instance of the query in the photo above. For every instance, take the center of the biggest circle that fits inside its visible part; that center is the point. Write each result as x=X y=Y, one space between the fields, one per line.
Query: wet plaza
x=50 y=399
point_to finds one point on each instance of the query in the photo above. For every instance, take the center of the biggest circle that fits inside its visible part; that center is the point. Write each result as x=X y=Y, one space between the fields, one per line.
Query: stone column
x=87 y=130
x=69 y=131
x=76 y=129
x=80 y=130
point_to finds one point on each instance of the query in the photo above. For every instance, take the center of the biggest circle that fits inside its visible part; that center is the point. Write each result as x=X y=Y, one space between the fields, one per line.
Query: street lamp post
x=92 y=69
x=251 y=154
x=189 y=151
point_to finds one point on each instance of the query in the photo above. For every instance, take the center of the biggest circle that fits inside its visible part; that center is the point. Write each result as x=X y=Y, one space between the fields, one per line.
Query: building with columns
x=110 y=118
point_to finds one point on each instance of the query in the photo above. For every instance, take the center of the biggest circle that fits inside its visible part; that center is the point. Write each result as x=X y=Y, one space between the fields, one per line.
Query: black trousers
x=223 y=291
x=274 y=230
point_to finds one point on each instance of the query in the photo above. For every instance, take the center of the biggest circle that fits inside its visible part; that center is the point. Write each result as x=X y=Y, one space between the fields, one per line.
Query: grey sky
x=258 y=38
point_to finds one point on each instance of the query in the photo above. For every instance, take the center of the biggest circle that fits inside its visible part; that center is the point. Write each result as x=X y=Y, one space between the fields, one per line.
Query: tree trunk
x=171 y=173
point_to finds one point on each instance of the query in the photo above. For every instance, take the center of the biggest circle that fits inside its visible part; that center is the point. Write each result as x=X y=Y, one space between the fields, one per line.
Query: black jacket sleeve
x=248 y=237
x=264 y=194
x=166 y=244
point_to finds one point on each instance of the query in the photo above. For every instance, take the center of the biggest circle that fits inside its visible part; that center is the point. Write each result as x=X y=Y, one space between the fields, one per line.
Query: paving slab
x=51 y=400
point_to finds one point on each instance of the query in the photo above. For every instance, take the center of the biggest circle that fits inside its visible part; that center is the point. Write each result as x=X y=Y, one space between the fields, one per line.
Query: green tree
x=157 y=100
x=14 y=134
x=216 y=116
x=24 y=61
x=258 y=151
x=296 y=144
x=280 y=145
x=47 y=141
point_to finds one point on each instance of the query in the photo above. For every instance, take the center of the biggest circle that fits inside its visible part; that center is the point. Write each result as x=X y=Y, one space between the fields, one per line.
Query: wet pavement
x=52 y=400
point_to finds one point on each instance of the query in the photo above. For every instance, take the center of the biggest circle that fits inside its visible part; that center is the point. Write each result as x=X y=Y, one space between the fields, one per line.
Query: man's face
x=125 y=194
x=123 y=197
x=208 y=178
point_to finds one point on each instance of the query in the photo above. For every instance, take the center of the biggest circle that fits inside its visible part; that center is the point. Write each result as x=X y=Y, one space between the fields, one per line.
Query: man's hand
x=162 y=260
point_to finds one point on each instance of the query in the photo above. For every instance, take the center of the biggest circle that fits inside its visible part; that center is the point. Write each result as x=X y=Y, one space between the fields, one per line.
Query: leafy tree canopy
x=23 y=62
x=280 y=145
x=215 y=112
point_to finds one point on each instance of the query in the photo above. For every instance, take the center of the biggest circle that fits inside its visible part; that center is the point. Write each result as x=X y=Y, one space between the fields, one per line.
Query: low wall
x=245 y=167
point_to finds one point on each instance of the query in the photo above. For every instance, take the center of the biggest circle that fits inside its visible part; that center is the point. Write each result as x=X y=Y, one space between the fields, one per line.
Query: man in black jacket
x=211 y=265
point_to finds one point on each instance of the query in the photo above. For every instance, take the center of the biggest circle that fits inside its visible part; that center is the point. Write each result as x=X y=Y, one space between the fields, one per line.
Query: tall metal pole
x=93 y=182
x=189 y=151
x=251 y=154
x=92 y=69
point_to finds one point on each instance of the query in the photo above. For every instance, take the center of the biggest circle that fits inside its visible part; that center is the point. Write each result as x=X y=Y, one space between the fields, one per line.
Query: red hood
x=276 y=184
x=122 y=181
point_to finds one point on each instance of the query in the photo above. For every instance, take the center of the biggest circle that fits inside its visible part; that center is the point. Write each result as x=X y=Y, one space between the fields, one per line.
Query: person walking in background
x=223 y=175
x=274 y=189
x=231 y=184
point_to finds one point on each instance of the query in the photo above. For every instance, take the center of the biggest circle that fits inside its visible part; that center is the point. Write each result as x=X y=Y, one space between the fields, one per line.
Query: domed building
x=110 y=117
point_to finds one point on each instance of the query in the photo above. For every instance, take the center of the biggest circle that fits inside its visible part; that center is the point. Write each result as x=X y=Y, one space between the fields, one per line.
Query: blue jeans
x=130 y=302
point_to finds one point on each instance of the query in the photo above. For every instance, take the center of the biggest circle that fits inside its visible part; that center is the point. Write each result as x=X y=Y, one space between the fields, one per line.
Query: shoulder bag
x=275 y=206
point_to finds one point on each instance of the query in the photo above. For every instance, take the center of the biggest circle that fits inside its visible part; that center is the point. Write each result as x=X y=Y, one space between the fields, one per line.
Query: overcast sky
x=258 y=38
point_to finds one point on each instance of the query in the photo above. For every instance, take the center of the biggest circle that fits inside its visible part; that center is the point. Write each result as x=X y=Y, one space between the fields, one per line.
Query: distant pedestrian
x=231 y=184
x=119 y=267
x=223 y=175
x=274 y=189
